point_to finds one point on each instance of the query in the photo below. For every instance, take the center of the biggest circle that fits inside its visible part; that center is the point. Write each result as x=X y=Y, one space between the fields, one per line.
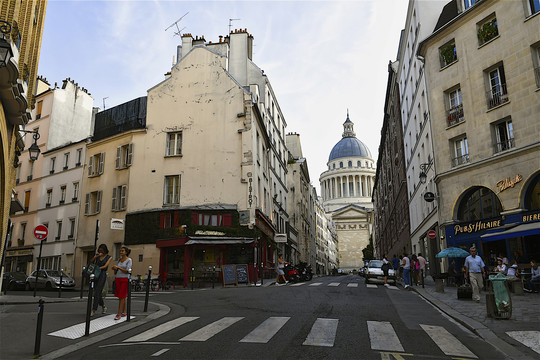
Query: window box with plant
x=448 y=54
x=488 y=31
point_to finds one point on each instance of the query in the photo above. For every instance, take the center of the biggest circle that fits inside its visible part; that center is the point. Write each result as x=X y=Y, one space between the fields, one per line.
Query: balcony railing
x=455 y=115
x=504 y=145
x=537 y=76
x=497 y=96
x=460 y=160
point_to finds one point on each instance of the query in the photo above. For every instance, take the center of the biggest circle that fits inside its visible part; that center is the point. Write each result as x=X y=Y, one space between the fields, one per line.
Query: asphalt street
x=327 y=318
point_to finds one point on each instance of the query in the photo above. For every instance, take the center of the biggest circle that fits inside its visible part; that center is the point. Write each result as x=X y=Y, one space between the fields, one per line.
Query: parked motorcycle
x=305 y=271
x=291 y=273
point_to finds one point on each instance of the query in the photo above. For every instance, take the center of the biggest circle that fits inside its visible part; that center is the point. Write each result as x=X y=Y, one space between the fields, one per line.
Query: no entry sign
x=41 y=232
x=432 y=234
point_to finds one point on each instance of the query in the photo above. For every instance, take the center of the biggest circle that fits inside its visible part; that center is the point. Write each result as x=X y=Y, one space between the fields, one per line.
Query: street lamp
x=423 y=175
x=5 y=47
x=33 y=150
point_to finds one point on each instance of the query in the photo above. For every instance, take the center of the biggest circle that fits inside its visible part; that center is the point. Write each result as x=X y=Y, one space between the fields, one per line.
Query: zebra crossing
x=336 y=284
x=382 y=334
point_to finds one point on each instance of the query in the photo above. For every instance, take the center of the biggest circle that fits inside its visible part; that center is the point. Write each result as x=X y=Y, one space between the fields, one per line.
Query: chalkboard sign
x=229 y=274
x=242 y=274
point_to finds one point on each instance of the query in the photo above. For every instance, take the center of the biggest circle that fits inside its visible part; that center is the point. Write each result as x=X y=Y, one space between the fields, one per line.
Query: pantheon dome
x=351 y=172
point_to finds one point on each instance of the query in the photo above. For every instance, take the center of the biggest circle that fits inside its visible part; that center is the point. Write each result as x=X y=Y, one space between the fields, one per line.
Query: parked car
x=14 y=280
x=49 y=279
x=374 y=272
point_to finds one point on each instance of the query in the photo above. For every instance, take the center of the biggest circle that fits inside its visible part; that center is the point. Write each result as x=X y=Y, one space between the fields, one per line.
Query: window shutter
x=101 y=163
x=114 y=199
x=87 y=205
x=123 y=197
x=130 y=155
x=168 y=149
x=98 y=201
x=227 y=220
x=195 y=218
x=91 y=166
x=162 y=218
x=118 y=157
x=176 y=219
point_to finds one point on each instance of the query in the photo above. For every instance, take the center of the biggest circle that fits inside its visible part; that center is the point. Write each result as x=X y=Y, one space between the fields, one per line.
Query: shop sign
x=508 y=182
x=476 y=226
x=280 y=238
x=209 y=233
x=250 y=189
x=531 y=217
x=117 y=224
x=23 y=252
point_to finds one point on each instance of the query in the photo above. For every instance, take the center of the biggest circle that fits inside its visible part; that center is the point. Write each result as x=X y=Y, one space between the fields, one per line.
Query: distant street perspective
x=275 y=180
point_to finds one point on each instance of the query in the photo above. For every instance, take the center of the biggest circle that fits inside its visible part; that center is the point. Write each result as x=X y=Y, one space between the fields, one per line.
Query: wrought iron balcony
x=455 y=115
x=460 y=160
x=497 y=96
x=504 y=145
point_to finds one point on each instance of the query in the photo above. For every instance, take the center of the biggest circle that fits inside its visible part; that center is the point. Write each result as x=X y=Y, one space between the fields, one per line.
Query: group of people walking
x=102 y=260
x=411 y=269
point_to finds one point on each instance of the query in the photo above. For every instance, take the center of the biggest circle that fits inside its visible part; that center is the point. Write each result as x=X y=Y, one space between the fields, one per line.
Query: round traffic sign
x=432 y=234
x=41 y=232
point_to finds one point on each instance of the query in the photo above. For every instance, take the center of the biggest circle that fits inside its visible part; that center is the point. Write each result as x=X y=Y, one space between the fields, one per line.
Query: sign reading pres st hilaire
x=117 y=224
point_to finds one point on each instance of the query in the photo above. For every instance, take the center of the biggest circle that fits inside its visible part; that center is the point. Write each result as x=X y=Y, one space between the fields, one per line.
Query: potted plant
x=448 y=53
x=488 y=31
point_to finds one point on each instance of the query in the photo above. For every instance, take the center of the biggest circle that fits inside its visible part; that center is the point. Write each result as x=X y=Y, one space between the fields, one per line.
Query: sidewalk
x=18 y=323
x=472 y=315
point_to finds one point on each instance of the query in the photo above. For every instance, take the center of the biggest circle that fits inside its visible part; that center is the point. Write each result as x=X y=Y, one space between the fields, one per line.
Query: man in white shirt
x=406 y=264
x=474 y=270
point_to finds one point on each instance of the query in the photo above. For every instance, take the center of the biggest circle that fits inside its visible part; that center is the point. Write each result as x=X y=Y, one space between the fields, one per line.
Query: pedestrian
x=475 y=272
x=122 y=280
x=415 y=269
x=395 y=264
x=281 y=266
x=102 y=259
x=422 y=262
x=385 y=268
x=535 y=277
x=513 y=271
x=500 y=268
x=406 y=265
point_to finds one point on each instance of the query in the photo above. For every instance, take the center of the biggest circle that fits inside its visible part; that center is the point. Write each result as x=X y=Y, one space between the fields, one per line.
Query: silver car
x=49 y=279
x=374 y=272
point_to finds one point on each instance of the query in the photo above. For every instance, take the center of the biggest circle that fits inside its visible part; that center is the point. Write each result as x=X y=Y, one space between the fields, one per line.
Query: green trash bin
x=503 y=301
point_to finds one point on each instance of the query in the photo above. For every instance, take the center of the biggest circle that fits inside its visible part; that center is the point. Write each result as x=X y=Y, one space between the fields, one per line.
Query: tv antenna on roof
x=230 y=24
x=177 y=28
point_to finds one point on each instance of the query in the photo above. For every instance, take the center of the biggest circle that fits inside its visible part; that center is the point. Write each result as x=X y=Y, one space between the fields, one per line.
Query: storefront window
x=239 y=255
x=532 y=199
x=479 y=203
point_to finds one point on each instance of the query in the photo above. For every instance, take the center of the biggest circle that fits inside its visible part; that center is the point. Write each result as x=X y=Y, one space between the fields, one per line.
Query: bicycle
x=159 y=283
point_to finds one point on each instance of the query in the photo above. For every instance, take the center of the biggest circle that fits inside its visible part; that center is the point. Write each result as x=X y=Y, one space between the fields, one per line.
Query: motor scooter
x=305 y=271
x=291 y=273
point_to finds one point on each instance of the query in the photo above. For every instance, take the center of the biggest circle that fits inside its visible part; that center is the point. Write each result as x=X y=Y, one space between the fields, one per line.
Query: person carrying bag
x=102 y=260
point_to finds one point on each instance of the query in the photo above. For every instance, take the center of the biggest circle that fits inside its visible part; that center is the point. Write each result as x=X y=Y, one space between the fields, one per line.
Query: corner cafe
x=515 y=234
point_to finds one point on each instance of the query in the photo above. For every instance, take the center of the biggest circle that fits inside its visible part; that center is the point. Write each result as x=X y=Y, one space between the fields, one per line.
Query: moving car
x=14 y=280
x=49 y=279
x=374 y=272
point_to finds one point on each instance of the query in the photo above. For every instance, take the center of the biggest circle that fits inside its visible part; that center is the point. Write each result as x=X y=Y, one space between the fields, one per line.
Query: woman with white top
x=122 y=280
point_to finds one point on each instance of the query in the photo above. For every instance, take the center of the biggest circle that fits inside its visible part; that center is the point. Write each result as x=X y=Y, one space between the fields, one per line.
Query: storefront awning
x=517 y=231
x=218 y=240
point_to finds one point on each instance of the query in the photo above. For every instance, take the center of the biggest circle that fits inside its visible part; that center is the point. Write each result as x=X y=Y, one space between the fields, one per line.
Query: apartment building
x=481 y=66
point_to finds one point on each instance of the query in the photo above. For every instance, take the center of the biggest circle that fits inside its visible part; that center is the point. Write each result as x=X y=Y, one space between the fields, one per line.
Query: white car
x=374 y=272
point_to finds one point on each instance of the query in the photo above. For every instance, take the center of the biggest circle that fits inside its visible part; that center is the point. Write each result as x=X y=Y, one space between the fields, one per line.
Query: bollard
x=128 y=319
x=82 y=279
x=60 y=286
x=89 y=305
x=262 y=273
x=214 y=277
x=191 y=277
x=147 y=289
x=37 y=344
x=422 y=278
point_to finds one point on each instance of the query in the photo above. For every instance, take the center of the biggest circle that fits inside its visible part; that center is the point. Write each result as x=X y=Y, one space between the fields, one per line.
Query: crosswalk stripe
x=160 y=329
x=315 y=284
x=264 y=332
x=298 y=284
x=383 y=336
x=77 y=331
x=527 y=338
x=371 y=286
x=447 y=342
x=160 y=352
x=334 y=284
x=322 y=333
x=212 y=329
x=352 y=285
x=393 y=287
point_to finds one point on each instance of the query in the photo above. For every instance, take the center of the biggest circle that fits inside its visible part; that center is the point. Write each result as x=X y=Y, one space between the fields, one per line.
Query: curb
x=475 y=327
x=162 y=311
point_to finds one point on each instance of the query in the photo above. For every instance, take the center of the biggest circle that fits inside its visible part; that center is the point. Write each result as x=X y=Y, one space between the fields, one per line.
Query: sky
x=321 y=57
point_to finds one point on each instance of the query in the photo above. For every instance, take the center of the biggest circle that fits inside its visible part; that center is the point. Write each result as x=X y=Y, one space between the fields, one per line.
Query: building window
x=27 y=200
x=468 y=3
x=504 y=135
x=454 y=106
x=92 y=204
x=350 y=164
x=172 y=190
x=536 y=63
x=79 y=157
x=334 y=165
x=448 y=54
x=75 y=191
x=497 y=93
x=124 y=156
x=119 y=198
x=212 y=219
x=71 y=228
x=62 y=194
x=49 y=198
x=66 y=161
x=359 y=164
x=96 y=164
x=487 y=30
x=53 y=162
x=174 y=144
x=23 y=234
x=39 y=109
x=341 y=164
x=58 y=230
x=479 y=203
x=533 y=6
x=461 y=151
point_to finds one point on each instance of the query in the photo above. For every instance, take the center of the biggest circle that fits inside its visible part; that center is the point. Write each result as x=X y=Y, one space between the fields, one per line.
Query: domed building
x=346 y=189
